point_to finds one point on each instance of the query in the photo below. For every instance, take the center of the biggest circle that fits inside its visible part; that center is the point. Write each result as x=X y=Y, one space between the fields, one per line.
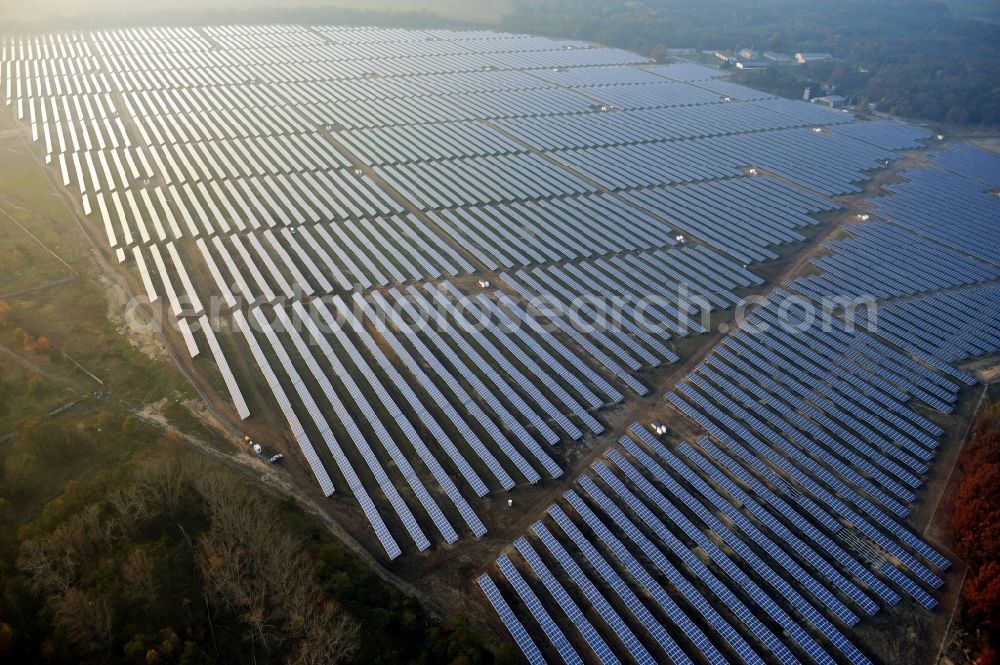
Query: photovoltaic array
x=325 y=188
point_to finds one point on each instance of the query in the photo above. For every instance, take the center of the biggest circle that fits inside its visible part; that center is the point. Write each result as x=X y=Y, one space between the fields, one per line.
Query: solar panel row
x=746 y=530
x=624 y=127
x=415 y=143
x=952 y=326
x=969 y=161
x=542 y=231
x=611 y=87
x=481 y=181
x=328 y=61
x=669 y=511
x=947 y=207
x=460 y=400
x=881 y=261
x=827 y=162
x=891 y=135
x=464 y=106
x=744 y=217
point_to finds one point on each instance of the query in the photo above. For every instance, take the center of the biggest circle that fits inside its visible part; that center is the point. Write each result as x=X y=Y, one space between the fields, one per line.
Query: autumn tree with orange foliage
x=43 y=345
x=25 y=339
x=976 y=525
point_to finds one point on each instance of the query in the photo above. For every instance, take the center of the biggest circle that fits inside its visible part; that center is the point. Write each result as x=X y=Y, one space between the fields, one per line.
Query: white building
x=832 y=101
x=803 y=58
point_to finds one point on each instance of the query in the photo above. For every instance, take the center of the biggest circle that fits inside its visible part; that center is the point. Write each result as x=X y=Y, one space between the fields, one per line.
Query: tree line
x=976 y=528
x=156 y=558
x=909 y=57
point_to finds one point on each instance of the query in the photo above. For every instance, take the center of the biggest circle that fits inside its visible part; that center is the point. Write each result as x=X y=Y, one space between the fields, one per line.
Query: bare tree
x=53 y=563
x=127 y=507
x=233 y=554
x=161 y=482
x=264 y=576
x=139 y=574
x=50 y=572
x=81 y=535
x=88 y=620
x=330 y=637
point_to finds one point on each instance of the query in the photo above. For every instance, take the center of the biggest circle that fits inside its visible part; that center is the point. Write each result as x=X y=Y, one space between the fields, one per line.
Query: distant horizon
x=60 y=14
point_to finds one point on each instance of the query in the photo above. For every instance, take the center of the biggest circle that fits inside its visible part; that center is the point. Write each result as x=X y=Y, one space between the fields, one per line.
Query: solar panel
x=538 y=612
x=516 y=628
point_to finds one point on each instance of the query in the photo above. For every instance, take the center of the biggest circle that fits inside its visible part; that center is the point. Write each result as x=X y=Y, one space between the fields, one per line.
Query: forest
x=116 y=551
x=976 y=525
x=912 y=58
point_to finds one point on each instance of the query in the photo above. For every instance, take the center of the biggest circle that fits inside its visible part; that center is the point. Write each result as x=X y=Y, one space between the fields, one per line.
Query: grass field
x=53 y=288
x=24 y=393
x=24 y=263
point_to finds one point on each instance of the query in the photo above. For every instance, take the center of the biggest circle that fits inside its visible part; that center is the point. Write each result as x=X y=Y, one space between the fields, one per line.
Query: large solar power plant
x=298 y=197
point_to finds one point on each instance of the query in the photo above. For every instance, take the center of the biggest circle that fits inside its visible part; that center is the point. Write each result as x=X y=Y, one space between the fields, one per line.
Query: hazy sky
x=44 y=11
